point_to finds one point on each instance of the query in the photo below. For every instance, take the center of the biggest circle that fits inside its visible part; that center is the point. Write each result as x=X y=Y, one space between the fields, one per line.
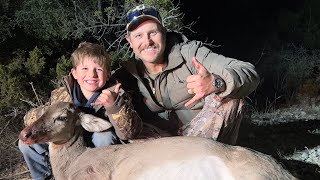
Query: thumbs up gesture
x=107 y=97
x=199 y=84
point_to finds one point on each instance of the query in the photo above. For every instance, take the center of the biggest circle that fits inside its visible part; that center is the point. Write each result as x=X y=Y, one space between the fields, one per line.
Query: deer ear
x=92 y=123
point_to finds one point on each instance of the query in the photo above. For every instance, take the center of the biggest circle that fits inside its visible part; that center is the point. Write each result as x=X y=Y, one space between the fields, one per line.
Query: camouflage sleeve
x=124 y=118
x=60 y=94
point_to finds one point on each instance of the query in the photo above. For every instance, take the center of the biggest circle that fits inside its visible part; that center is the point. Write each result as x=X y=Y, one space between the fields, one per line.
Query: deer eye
x=62 y=119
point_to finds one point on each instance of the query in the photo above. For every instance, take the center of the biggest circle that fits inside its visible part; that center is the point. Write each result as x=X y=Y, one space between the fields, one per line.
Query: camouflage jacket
x=121 y=115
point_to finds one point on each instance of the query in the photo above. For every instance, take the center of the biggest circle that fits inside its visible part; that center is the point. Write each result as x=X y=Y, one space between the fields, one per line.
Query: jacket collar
x=67 y=82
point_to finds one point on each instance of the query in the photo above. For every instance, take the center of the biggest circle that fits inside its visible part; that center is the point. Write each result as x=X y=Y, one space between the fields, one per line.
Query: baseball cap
x=140 y=14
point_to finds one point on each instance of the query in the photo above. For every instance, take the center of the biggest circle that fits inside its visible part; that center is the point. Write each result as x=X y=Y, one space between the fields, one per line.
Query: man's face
x=148 y=42
x=90 y=76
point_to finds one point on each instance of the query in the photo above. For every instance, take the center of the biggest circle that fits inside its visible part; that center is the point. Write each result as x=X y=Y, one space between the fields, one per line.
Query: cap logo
x=140 y=11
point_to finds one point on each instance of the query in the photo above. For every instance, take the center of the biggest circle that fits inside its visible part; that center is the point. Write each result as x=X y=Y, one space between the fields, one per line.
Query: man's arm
x=240 y=77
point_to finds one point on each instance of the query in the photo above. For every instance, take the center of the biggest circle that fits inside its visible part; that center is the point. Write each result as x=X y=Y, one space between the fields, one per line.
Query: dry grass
x=12 y=165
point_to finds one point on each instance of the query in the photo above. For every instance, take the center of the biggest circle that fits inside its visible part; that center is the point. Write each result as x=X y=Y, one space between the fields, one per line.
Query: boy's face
x=90 y=76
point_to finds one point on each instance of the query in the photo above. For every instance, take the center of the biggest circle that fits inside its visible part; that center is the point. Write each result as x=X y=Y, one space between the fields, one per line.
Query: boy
x=86 y=87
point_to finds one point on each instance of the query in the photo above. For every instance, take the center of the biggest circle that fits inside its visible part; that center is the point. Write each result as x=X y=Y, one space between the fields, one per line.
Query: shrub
x=294 y=69
x=63 y=67
x=12 y=83
x=24 y=82
x=35 y=62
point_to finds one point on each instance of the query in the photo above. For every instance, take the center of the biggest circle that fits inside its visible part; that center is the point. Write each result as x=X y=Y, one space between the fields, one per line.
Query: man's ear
x=128 y=39
x=74 y=73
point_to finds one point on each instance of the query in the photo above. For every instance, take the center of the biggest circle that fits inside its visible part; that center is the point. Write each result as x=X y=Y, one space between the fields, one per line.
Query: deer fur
x=168 y=158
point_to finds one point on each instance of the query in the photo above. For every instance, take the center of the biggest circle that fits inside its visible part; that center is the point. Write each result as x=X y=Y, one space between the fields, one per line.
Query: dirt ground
x=292 y=133
x=287 y=139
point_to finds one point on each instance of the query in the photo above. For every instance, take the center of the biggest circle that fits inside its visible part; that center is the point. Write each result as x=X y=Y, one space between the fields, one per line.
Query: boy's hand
x=107 y=97
x=199 y=84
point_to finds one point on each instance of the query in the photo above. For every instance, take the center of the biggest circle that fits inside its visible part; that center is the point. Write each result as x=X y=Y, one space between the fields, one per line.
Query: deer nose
x=24 y=135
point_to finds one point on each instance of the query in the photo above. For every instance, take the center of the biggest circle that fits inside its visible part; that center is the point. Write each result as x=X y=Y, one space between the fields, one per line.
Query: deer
x=166 y=158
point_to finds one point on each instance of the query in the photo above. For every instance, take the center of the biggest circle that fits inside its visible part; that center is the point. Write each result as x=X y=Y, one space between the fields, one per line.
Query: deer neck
x=62 y=155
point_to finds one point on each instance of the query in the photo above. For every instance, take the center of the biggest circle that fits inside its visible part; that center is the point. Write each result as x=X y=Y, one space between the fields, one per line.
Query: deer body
x=169 y=158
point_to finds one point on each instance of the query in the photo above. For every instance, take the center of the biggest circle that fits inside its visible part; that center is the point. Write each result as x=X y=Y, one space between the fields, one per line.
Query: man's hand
x=107 y=97
x=199 y=84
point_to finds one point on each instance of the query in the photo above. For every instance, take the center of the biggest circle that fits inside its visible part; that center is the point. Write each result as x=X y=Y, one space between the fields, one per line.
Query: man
x=180 y=85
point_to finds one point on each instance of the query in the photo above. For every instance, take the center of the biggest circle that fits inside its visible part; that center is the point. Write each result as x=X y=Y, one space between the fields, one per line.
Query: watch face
x=218 y=83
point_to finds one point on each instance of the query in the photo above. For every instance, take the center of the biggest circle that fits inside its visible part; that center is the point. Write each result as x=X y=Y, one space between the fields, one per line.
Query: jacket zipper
x=157 y=90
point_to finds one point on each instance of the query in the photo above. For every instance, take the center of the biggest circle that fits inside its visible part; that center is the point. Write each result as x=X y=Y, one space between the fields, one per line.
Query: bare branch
x=17 y=174
x=35 y=93
x=6 y=125
x=261 y=55
x=29 y=102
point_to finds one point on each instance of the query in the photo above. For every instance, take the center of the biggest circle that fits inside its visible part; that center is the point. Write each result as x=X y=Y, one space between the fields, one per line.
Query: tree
x=95 y=20
x=7 y=20
x=301 y=26
x=47 y=19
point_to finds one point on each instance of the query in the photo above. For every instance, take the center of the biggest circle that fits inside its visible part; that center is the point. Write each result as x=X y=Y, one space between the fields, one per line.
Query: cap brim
x=140 y=19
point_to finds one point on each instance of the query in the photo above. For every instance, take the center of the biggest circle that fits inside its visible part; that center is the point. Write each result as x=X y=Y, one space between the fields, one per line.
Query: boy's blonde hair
x=95 y=51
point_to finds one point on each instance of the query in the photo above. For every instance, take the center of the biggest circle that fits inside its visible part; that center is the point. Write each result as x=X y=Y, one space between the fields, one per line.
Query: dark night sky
x=239 y=26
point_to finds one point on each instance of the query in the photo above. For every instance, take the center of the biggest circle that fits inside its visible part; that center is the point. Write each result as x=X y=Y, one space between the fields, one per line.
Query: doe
x=169 y=158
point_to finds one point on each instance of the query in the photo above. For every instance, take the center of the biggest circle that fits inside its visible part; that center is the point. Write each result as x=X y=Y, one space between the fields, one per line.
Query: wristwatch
x=218 y=83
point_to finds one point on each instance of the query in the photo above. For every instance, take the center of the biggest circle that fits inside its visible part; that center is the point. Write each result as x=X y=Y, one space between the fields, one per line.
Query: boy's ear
x=109 y=75
x=74 y=73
